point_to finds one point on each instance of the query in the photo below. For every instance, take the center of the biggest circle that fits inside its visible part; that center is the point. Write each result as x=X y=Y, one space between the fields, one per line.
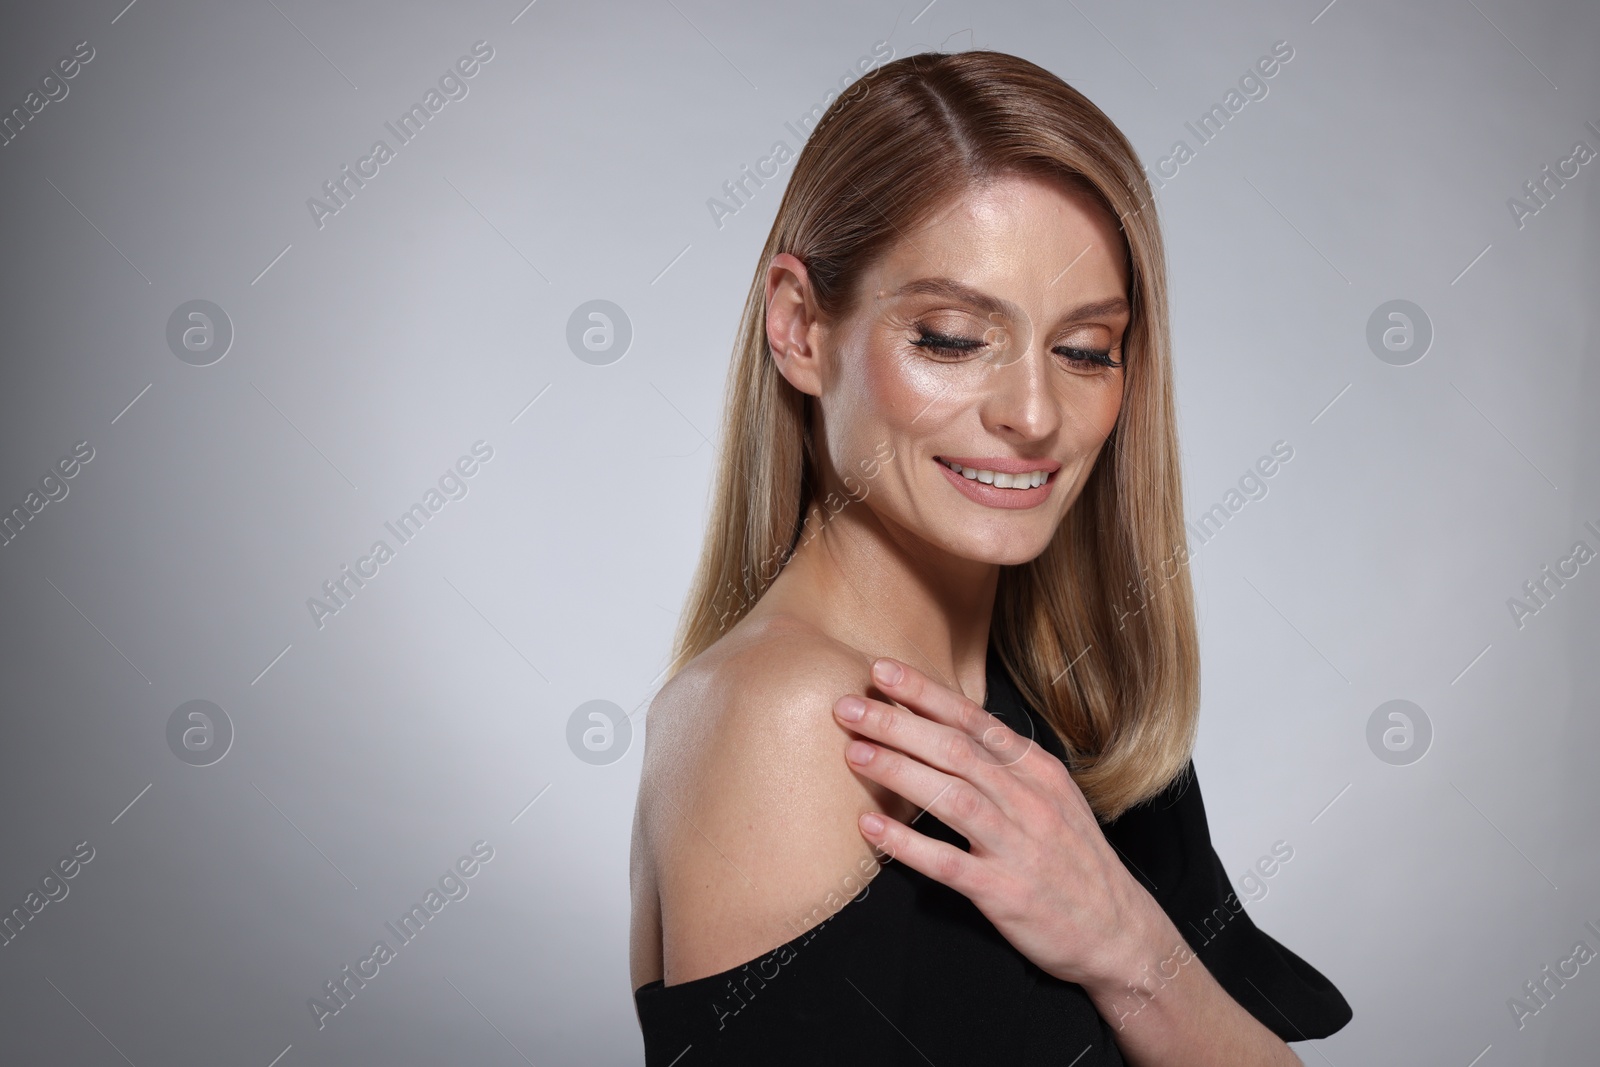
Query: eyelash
x=938 y=342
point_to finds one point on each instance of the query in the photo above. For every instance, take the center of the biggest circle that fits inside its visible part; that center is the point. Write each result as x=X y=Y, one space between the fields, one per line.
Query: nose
x=1021 y=396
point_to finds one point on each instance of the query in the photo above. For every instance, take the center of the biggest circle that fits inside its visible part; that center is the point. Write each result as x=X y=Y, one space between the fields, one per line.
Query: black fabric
x=911 y=972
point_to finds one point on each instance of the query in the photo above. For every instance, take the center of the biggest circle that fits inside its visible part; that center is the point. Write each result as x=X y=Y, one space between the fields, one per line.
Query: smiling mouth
x=1000 y=479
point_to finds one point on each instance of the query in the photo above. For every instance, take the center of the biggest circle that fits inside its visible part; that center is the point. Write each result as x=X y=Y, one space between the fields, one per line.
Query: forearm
x=1167 y=1009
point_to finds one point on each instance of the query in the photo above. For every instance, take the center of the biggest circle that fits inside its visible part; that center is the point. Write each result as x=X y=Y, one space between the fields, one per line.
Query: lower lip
x=989 y=496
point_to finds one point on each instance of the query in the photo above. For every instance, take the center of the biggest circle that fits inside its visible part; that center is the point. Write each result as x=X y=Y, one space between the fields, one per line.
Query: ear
x=794 y=329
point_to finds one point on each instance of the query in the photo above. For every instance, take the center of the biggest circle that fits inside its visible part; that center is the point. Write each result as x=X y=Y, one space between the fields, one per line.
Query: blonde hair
x=1111 y=664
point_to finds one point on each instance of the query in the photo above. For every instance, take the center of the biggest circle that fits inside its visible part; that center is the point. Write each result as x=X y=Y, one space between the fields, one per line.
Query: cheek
x=1092 y=412
x=895 y=397
x=1098 y=405
x=886 y=403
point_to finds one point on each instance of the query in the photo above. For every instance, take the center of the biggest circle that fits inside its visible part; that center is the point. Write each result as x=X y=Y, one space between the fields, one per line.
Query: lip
x=988 y=495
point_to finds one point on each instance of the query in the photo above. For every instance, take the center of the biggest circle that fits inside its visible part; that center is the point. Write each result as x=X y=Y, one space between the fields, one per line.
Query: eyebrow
x=949 y=287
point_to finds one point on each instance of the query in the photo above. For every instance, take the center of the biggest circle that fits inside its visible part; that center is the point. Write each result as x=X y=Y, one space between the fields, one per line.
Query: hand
x=1039 y=866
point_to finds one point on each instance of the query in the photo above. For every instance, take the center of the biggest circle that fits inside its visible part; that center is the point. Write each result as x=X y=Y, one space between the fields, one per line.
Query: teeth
x=1000 y=480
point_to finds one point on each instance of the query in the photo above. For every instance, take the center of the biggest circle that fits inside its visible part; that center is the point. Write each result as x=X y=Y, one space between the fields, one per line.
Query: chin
x=1010 y=552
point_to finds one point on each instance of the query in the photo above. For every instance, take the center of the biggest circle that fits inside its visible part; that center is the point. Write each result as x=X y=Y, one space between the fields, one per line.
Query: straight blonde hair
x=1098 y=631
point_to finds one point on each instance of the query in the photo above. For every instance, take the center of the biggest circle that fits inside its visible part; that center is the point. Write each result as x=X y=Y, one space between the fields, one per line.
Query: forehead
x=1036 y=242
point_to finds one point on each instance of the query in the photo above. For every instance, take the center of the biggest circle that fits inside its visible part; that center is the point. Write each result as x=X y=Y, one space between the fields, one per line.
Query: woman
x=945 y=566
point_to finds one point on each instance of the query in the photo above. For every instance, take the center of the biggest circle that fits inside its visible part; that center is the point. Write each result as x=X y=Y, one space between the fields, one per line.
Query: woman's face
x=987 y=339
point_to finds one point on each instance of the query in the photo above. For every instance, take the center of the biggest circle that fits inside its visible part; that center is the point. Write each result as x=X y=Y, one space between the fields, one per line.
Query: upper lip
x=1003 y=464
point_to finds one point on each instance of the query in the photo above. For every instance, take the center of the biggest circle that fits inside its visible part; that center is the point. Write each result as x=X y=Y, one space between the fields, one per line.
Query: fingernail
x=859 y=752
x=888 y=672
x=851 y=709
x=872 y=824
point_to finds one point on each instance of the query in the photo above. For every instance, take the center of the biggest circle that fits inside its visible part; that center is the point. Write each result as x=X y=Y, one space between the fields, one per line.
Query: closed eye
x=950 y=348
x=1099 y=356
x=946 y=345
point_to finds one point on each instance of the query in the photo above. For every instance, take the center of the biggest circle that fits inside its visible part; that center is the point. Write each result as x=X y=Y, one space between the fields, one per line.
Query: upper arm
x=644 y=927
x=753 y=810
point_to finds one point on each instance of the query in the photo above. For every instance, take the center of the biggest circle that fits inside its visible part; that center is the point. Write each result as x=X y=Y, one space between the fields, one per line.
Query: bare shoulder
x=747 y=808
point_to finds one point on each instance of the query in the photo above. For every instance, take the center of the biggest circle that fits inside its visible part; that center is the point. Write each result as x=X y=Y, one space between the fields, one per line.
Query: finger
x=956 y=802
x=939 y=702
x=939 y=860
x=943 y=747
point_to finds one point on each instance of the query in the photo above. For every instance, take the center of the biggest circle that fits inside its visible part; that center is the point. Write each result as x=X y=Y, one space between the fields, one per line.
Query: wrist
x=1150 y=956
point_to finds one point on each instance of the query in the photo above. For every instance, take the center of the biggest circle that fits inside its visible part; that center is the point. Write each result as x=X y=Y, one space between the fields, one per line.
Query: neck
x=885 y=592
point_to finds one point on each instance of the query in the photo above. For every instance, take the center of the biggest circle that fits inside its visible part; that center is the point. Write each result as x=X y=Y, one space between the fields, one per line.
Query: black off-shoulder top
x=911 y=972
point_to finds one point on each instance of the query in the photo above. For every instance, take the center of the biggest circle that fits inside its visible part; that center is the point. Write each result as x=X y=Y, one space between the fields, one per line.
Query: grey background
x=430 y=312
